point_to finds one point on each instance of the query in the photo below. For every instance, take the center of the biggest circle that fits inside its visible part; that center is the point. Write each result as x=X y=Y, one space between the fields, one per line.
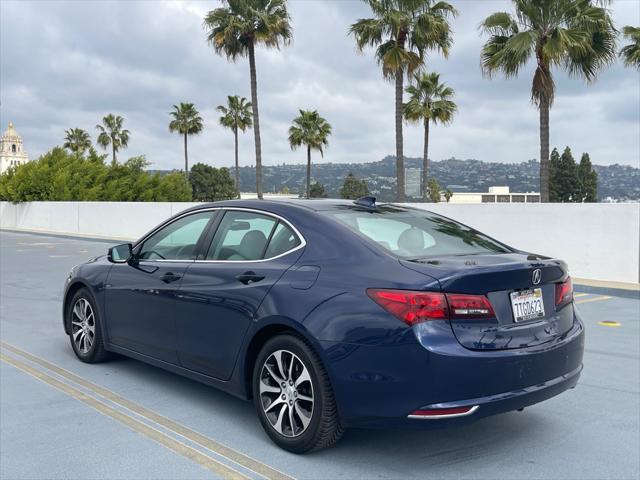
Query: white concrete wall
x=117 y=220
x=599 y=241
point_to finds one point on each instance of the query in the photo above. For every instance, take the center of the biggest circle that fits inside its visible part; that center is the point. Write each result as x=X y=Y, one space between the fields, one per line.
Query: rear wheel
x=293 y=396
x=86 y=334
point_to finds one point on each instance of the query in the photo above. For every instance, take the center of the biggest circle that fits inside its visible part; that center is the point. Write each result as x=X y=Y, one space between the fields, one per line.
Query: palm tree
x=429 y=102
x=575 y=35
x=631 y=53
x=186 y=121
x=235 y=29
x=111 y=133
x=313 y=131
x=402 y=31
x=236 y=116
x=76 y=140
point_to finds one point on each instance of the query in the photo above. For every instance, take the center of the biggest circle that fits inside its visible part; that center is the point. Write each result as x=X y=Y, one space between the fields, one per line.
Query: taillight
x=469 y=306
x=564 y=293
x=415 y=307
x=411 y=307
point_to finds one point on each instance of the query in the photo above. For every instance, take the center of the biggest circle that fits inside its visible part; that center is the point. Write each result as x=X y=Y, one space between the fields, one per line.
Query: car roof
x=320 y=204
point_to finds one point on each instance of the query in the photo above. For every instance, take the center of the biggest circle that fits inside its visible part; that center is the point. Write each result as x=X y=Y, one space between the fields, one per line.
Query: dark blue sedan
x=334 y=314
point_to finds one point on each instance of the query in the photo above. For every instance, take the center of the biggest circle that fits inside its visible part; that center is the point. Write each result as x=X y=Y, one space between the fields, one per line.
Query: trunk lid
x=498 y=276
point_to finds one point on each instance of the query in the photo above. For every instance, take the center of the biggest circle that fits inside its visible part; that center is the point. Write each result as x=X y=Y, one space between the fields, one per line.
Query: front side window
x=176 y=241
x=248 y=236
x=414 y=234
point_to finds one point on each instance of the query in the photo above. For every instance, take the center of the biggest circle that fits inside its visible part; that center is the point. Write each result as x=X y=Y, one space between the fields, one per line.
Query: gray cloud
x=67 y=63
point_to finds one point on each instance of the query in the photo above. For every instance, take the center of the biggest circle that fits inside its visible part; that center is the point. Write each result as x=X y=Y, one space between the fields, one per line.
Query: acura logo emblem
x=537 y=276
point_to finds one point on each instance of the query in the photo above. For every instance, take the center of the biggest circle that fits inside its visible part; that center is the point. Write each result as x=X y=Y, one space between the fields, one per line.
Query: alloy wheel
x=83 y=325
x=286 y=393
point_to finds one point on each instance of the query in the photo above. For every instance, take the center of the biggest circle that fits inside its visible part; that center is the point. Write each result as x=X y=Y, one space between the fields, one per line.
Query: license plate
x=527 y=305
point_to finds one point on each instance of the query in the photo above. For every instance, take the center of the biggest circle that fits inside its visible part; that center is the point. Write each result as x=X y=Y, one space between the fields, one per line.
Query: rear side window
x=414 y=234
x=247 y=236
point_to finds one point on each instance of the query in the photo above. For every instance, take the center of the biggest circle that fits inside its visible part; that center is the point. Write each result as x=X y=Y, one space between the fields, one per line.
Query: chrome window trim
x=438 y=417
x=303 y=241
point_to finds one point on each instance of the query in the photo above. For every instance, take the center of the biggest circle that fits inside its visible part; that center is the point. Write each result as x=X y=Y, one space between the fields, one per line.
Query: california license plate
x=527 y=305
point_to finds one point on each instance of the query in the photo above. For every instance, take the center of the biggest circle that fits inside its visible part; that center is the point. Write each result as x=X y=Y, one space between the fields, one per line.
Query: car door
x=221 y=293
x=140 y=295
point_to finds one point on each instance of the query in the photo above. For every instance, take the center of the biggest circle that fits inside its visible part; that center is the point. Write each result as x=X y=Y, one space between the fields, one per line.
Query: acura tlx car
x=331 y=314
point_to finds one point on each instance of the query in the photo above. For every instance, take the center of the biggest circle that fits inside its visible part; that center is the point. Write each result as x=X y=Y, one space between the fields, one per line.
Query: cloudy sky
x=68 y=63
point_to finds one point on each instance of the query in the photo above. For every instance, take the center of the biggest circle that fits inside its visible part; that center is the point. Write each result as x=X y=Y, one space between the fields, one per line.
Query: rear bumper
x=381 y=386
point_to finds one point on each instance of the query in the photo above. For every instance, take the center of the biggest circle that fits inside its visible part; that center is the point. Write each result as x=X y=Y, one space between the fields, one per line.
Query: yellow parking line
x=207 y=462
x=198 y=438
x=609 y=323
x=580 y=295
x=596 y=299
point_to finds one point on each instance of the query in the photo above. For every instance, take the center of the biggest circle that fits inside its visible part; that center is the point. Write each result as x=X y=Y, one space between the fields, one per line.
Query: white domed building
x=11 y=149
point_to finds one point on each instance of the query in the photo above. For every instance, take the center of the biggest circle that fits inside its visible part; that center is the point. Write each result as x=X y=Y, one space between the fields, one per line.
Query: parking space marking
x=205 y=461
x=596 y=299
x=580 y=295
x=177 y=428
x=609 y=323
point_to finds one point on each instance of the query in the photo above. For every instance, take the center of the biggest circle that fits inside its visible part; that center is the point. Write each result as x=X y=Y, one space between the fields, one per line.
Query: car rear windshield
x=412 y=234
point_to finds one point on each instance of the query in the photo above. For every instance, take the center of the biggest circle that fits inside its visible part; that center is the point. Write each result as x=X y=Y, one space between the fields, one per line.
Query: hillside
x=619 y=182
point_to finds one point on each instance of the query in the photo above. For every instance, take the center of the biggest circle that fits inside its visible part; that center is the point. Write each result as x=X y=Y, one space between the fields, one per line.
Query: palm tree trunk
x=308 y=171
x=113 y=153
x=544 y=150
x=186 y=159
x=256 y=120
x=399 y=146
x=425 y=160
x=235 y=134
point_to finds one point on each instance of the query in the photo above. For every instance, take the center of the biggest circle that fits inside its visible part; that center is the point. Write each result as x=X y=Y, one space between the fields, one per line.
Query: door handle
x=249 y=277
x=170 y=277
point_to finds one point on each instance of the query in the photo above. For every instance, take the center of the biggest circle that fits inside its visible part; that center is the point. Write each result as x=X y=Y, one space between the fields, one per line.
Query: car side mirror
x=120 y=253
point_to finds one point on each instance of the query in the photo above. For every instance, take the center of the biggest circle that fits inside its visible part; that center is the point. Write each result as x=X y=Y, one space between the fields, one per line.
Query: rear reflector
x=414 y=307
x=564 y=293
x=444 y=412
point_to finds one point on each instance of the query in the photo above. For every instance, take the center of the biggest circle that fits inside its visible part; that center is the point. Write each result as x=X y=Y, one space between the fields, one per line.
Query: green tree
x=112 y=133
x=402 y=31
x=447 y=195
x=555 y=171
x=353 y=189
x=211 y=184
x=186 y=120
x=564 y=184
x=631 y=53
x=236 y=116
x=173 y=188
x=285 y=190
x=77 y=140
x=433 y=189
x=588 y=180
x=58 y=175
x=311 y=130
x=575 y=35
x=317 y=191
x=429 y=102
x=234 y=30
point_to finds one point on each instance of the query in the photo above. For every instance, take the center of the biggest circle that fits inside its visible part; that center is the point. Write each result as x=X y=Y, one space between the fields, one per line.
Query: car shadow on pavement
x=163 y=391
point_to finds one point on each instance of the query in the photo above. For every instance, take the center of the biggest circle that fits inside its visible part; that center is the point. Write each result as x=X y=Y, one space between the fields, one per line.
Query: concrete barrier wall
x=599 y=241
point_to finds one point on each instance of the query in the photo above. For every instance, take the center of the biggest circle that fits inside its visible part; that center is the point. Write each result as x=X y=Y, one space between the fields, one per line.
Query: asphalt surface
x=60 y=418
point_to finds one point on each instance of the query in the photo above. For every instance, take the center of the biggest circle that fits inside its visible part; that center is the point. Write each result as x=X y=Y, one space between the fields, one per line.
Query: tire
x=86 y=328
x=275 y=403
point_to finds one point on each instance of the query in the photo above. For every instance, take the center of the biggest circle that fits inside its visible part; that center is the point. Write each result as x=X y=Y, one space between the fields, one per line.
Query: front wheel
x=293 y=396
x=86 y=333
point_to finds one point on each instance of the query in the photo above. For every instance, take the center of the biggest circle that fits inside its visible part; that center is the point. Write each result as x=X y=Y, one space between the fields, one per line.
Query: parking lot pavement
x=61 y=418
